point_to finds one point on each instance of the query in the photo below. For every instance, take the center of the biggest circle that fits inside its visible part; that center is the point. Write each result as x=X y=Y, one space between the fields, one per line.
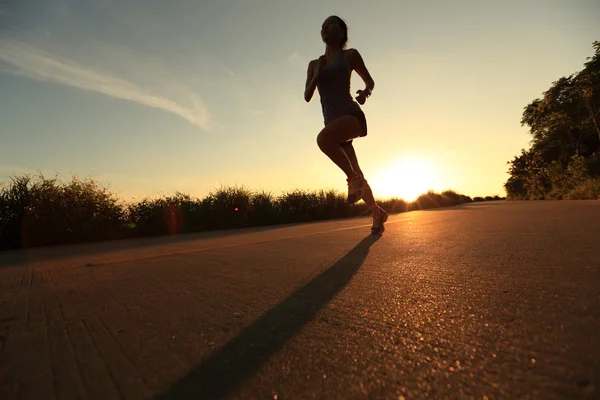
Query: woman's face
x=331 y=31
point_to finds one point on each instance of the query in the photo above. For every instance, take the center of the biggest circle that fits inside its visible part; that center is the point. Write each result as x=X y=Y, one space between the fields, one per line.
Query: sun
x=406 y=178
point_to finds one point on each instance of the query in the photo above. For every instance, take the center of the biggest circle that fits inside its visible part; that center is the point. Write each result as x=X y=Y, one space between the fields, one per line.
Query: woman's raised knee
x=323 y=139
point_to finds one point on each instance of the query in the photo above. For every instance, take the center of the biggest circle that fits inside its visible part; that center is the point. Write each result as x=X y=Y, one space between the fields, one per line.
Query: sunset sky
x=151 y=97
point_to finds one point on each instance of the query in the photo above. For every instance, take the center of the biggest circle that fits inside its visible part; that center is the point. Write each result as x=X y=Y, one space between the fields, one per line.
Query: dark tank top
x=334 y=89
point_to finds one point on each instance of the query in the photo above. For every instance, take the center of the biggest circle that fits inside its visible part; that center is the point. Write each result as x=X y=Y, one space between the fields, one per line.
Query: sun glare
x=406 y=178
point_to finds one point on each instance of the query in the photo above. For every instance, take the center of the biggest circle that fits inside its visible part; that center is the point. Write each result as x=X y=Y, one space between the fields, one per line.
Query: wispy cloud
x=27 y=60
x=294 y=56
x=297 y=59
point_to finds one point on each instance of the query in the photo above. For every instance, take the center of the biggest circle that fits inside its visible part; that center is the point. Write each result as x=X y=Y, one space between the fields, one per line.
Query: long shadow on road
x=227 y=368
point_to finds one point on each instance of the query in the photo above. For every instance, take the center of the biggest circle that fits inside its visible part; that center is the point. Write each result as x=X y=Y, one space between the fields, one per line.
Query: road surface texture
x=496 y=300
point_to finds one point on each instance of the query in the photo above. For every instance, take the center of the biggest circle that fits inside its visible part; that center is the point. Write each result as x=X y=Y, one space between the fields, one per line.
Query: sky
x=153 y=97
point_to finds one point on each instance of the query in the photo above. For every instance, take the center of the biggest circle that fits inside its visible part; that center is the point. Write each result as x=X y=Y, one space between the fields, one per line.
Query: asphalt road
x=495 y=300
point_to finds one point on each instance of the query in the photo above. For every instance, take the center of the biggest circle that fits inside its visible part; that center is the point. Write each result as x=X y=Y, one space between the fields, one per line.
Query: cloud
x=294 y=56
x=30 y=61
x=297 y=59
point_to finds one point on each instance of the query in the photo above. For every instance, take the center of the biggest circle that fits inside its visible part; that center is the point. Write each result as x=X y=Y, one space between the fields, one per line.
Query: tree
x=565 y=128
x=588 y=86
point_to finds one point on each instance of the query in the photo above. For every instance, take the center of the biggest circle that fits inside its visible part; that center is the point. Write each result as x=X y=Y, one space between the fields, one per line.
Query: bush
x=574 y=181
x=297 y=206
x=394 y=205
x=263 y=209
x=36 y=211
x=226 y=208
x=170 y=215
x=434 y=200
x=428 y=200
x=586 y=190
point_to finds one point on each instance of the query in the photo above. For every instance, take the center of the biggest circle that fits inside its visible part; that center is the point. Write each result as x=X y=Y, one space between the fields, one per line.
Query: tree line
x=563 y=161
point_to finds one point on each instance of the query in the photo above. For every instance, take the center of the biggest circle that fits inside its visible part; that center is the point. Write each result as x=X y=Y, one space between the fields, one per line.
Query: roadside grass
x=41 y=211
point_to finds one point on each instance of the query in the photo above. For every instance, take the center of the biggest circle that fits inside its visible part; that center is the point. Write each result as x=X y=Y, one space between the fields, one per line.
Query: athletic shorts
x=360 y=115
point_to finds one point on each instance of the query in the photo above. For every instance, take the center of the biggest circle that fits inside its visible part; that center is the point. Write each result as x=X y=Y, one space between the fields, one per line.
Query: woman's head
x=334 y=31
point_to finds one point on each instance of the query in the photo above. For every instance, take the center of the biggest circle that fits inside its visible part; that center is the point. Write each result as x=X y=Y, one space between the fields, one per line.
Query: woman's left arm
x=358 y=65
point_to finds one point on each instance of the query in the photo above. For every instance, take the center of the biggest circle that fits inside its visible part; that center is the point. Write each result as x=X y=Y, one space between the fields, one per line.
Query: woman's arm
x=311 y=82
x=358 y=65
x=312 y=77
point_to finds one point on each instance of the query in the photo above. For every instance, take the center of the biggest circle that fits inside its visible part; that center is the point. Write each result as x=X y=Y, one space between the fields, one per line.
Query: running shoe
x=378 y=220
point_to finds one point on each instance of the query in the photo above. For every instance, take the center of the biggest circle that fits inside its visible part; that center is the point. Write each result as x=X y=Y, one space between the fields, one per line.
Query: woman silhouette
x=344 y=120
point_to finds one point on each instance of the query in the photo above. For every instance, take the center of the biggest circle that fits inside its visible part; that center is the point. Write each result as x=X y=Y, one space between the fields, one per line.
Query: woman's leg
x=379 y=215
x=351 y=154
x=341 y=130
x=368 y=194
x=349 y=148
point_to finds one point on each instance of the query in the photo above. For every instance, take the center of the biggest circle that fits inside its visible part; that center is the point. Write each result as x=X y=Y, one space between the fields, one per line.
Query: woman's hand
x=362 y=96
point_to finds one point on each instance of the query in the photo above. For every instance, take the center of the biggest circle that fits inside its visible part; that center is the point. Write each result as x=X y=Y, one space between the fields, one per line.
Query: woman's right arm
x=311 y=81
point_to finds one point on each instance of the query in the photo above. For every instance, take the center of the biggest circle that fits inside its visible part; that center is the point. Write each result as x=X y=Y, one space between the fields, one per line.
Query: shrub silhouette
x=43 y=211
x=37 y=211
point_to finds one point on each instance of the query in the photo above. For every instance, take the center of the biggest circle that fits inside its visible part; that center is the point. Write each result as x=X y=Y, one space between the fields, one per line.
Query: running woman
x=344 y=120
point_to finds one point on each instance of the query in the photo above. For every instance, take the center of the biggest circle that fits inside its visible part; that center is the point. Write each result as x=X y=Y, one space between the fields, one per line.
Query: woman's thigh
x=342 y=129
